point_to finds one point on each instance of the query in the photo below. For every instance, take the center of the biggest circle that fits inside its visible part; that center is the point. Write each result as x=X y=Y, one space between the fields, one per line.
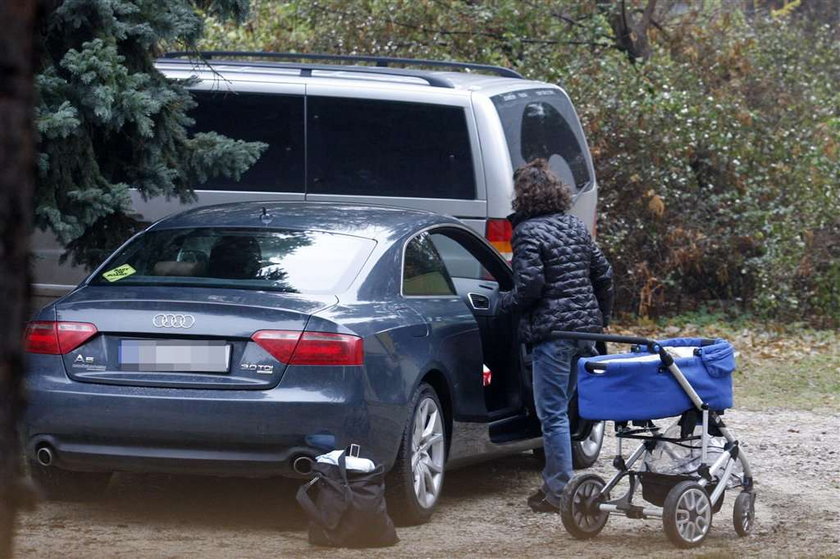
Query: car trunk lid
x=197 y=339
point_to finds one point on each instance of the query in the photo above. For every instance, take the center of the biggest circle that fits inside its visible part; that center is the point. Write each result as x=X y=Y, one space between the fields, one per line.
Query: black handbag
x=348 y=509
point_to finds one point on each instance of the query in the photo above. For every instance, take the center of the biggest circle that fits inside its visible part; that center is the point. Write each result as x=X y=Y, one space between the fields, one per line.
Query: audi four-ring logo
x=173 y=320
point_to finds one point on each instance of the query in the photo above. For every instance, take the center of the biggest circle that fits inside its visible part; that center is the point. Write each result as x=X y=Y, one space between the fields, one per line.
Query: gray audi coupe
x=246 y=339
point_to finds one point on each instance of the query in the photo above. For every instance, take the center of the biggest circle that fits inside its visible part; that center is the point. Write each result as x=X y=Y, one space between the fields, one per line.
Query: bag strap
x=344 y=488
x=342 y=467
x=309 y=506
x=306 y=503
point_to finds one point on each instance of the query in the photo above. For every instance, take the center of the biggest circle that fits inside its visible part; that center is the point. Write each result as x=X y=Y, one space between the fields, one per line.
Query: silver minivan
x=445 y=140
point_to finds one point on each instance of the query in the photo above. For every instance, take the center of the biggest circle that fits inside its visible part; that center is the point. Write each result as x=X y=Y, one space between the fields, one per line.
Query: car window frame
x=448 y=278
x=455 y=231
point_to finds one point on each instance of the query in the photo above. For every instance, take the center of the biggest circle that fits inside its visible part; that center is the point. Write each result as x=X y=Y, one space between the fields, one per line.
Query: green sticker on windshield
x=119 y=273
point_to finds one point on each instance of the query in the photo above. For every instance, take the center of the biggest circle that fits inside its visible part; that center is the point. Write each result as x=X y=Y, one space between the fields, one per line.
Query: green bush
x=717 y=157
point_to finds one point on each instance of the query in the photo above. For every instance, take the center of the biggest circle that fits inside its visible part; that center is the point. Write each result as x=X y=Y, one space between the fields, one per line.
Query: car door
x=454 y=338
x=479 y=275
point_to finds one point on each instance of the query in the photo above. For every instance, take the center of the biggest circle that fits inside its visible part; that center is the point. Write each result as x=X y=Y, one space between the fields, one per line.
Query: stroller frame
x=688 y=507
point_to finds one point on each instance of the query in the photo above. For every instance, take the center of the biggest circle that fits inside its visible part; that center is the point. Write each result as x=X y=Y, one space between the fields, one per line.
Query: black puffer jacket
x=562 y=281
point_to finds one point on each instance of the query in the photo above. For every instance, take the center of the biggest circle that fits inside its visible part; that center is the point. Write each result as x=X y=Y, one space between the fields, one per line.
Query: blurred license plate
x=192 y=356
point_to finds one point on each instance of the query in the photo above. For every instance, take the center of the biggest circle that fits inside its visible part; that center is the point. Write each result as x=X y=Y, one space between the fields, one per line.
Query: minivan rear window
x=276 y=120
x=291 y=261
x=541 y=123
x=388 y=148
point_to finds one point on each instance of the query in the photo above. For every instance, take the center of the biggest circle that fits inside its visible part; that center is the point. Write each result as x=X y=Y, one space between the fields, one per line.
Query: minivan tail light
x=311 y=348
x=56 y=338
x=500 y=232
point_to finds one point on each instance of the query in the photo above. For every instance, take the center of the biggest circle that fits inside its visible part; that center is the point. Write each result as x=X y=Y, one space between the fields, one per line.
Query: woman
x=562 y=281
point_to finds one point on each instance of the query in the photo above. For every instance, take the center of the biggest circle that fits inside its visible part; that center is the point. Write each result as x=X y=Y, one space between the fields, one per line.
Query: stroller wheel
x=743 y=513
x=578 y=509
x=687 y=514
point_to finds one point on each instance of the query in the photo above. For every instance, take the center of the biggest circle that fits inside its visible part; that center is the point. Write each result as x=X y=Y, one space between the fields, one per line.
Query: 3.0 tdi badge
x=258 y=368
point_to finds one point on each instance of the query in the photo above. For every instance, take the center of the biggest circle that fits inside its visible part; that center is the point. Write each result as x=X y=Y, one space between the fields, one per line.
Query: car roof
x=373 y=222
x=219 y=72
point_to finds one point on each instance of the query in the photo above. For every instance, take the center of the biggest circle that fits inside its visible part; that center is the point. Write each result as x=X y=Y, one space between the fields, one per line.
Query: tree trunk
x=631 y=32
x=17 y=180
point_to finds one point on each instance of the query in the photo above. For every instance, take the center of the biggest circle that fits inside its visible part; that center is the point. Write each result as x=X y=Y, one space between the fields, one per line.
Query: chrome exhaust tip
x=44 y=456
x=303 y=465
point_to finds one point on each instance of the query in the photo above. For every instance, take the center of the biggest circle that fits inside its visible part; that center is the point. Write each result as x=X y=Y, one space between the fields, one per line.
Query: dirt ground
x=795 y=457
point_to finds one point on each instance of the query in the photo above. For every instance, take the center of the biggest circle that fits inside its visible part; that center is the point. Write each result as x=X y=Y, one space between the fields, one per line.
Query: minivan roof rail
x=380 y=61
x=305 y=69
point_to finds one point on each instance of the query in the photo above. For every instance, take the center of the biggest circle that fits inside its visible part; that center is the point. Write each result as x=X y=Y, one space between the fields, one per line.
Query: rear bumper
x=99 y=456
x=101 y=427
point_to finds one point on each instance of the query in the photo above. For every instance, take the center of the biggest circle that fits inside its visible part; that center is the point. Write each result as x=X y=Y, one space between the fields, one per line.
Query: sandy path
x=795 y=456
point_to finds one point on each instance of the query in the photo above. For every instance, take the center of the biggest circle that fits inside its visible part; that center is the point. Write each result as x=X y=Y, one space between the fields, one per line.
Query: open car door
x=479 y=275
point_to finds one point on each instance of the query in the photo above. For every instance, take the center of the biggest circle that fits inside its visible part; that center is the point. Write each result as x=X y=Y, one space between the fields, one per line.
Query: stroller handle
x=592 y=336
x=595 y=367
x=635 y=340
x=652 y=345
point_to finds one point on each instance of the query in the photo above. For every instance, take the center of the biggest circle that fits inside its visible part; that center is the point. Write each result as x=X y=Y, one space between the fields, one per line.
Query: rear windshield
x=541 y=123
x=277 y=260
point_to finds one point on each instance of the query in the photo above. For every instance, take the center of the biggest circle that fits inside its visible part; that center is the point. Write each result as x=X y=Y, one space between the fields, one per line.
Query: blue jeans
x=553 y=386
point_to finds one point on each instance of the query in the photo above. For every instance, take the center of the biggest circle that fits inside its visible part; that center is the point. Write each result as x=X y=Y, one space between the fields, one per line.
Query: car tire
x=414 y=484
x=56 y=484
x=585 y=452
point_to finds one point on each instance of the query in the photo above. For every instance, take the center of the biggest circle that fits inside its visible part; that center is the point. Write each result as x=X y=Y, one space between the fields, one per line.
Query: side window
x=460 y=263
x=542 y=123
x=276 y=120
x=423 y=271
x=387 y=148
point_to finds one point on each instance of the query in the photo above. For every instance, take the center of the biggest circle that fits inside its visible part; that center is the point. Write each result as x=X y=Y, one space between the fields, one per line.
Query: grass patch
x=779 y=365
x=811 y=383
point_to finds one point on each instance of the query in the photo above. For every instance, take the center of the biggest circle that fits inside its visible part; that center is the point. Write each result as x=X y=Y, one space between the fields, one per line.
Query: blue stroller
x=683 y=470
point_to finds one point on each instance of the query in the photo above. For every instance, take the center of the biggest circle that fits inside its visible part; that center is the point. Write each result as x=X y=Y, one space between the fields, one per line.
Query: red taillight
x=311 y=348
x=499 y=232
x=279 y=343
x=319 y=348
x=56 y=338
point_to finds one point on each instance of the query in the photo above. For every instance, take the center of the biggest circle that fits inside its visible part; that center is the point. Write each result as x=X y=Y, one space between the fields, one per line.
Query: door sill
x=502 y=413
x=513 y=428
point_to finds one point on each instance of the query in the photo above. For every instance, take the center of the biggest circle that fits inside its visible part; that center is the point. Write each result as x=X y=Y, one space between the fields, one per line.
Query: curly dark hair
x=538 y=191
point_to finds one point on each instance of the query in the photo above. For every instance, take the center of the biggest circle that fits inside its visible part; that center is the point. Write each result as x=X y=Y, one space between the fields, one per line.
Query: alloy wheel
x=693 y=515
x=428 y=452
x=591 y=445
